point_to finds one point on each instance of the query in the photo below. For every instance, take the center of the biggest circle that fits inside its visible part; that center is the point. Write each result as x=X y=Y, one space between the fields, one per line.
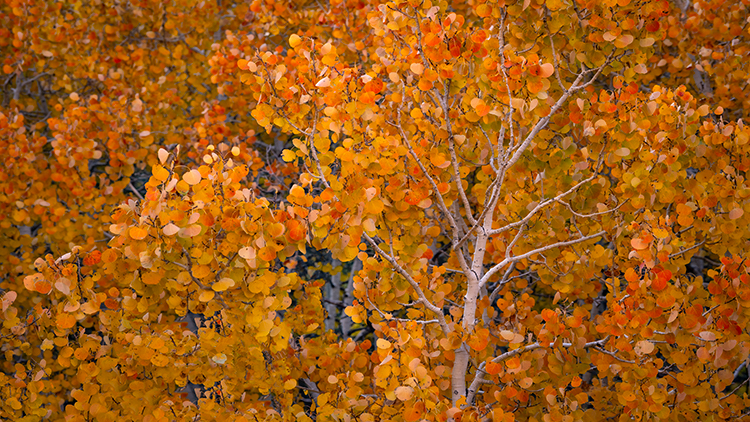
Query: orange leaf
x=493 y=368
x=275 y=229
x=137 y=233
x=480 y=339
x=267 y=253
x=631 y=275
x=43 y=287
x=109 y=256
x=65 y=320
x=484 y=10
x=546 y=70
x=639 y=244
x=414 y=413
x=151 y=278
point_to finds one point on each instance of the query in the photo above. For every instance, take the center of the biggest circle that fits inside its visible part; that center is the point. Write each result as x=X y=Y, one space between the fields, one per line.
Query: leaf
x=137 y=233
x=417 y=68
x=63 y=285
x=192 y=178
x=383 y=344
x=404 y=393
x=736 y=213
x=546 y=70
x=639 y=244
x=8 y=299
x=223 y=284
x=294 y=40
x=643 y=347
x=206 y=295
x=288 y=156
x=413 y=413
x=160 y=173
x=190 y=231
x=247 y=252
x=65 y=321
x=163 y=155
x=493 y=368
x=507 y=335
x=170 y=229
x=707 y=335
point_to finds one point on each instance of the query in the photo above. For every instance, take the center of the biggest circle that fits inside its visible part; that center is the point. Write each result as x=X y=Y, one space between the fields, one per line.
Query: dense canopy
x=361 y=210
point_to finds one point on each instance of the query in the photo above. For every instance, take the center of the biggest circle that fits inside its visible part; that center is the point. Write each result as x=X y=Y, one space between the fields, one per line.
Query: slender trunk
x=461 y=361
x=332 y=297
x=346 y=321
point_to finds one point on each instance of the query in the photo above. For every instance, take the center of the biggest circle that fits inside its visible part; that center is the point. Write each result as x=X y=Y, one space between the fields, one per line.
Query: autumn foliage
x=344 y=210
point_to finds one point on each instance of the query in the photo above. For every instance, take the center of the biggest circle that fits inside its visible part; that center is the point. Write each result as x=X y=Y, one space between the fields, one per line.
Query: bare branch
x=541 y=206
x=479 y=377
x=536 y=251
x=420 y=293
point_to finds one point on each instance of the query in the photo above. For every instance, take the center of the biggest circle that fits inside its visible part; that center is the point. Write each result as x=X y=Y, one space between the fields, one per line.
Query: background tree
x=346 y=210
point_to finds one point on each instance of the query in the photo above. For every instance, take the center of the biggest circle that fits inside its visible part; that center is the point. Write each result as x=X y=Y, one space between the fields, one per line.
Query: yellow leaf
x=160 y=173
x=622 y=152
x=383 y=343
x=438 y=160
x=288 y=156
x=290 y=384
x=89 y=308
x=223 y=284
x=369 y=225
x=294 y=40
x=484 y=10
x=206 y=295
